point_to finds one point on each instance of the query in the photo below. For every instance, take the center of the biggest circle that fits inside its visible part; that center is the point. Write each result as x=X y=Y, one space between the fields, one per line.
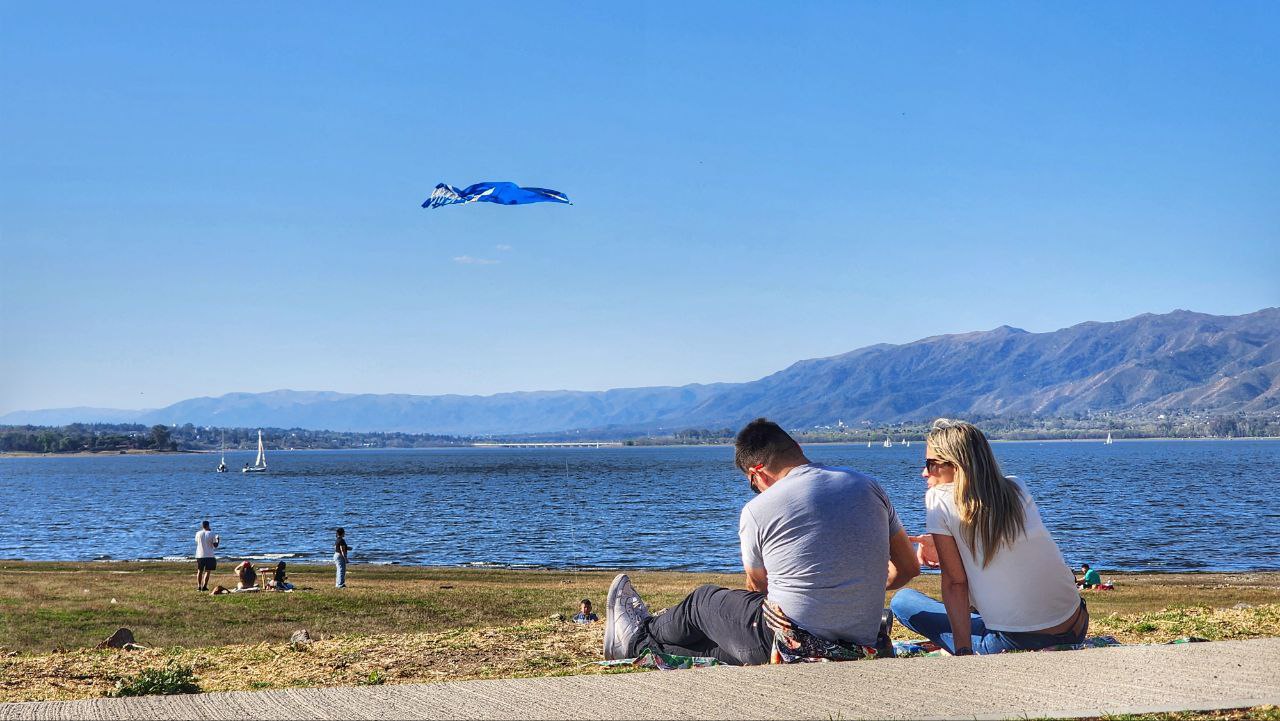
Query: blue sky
x=196 y=201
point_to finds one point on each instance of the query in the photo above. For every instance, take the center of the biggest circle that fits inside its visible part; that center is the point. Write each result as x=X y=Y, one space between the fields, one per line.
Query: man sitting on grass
x=1091 y=577
x=821 y=543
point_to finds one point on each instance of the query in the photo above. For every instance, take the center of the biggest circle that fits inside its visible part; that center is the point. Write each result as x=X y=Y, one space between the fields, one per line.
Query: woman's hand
x=775 y=619
x=926 y=551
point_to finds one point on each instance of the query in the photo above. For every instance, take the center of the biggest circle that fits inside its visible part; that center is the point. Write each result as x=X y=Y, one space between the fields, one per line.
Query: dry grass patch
x=414 y=625
x=541 y=648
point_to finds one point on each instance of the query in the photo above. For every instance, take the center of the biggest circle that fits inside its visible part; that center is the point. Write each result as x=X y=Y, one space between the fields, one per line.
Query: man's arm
x=903 y=564
x=757 y=580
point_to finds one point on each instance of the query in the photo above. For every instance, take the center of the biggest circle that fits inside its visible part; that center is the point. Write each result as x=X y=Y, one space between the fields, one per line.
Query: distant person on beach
x=996 y=556
x=279 y=580
x=819 y=543
x=340 y=551
x=584 y=613
x=1091 y=577
x=246 y=581
x=206 y=561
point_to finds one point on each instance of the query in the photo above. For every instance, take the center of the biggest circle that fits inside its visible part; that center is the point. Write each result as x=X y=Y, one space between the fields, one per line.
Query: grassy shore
x=403 y=625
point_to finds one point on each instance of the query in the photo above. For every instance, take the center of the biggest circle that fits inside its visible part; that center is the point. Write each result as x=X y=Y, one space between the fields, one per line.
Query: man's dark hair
x=204 y=525
x=585 y=601
x=341 y=531
x=1084 y=565
x=762 y=441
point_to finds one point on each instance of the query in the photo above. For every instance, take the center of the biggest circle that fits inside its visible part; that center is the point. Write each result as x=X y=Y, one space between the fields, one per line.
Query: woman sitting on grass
x=246 y=580
x=277 y=581
x=995 y=552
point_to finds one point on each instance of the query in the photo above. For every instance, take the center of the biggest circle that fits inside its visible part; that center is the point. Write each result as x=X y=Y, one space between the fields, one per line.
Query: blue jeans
x=928 y=618
x=341 y=563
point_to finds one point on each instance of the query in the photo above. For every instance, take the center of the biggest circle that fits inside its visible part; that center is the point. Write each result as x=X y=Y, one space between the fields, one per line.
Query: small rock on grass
x=122 y=638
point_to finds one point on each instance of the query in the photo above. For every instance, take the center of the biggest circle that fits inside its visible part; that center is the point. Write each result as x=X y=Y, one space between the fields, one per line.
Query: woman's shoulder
x=941 y=493
x=941 y=499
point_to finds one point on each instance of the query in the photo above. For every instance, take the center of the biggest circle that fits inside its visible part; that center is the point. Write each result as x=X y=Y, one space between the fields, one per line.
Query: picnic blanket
x=662 y=661
x=810 y=649
x=796 y=645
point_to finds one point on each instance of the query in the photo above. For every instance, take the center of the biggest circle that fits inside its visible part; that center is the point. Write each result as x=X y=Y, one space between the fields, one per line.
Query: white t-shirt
x=204 y=544
x=1027 y=586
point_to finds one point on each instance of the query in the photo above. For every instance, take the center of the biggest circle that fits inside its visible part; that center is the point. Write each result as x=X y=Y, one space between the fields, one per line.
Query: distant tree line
x=1080 y=426
x=124 y=437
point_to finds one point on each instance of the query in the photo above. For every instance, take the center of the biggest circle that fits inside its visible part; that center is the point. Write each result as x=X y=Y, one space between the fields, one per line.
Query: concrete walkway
x=1071 y=683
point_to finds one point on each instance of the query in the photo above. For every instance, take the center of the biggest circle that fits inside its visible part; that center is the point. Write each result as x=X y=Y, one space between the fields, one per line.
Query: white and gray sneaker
x=625 y=613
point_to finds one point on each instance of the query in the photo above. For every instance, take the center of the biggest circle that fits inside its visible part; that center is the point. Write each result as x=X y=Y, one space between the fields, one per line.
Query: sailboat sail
x=261 y=463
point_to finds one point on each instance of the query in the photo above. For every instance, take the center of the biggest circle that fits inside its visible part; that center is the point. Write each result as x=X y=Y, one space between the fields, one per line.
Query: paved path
x=1093 y=682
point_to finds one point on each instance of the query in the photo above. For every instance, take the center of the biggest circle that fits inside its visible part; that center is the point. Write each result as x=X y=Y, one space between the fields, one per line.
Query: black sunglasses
x=933 y=464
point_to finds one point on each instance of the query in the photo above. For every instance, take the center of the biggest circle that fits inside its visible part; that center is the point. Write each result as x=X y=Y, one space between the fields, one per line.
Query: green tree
x=160 y=437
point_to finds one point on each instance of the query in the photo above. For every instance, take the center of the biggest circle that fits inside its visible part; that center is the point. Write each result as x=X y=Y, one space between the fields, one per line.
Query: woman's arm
x=955 y=591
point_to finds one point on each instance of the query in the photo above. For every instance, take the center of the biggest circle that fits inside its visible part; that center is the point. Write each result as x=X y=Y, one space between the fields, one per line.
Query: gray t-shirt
x=822 y=534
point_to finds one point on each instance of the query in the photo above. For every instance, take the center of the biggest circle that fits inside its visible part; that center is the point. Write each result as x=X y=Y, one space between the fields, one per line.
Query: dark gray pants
x=724 y=624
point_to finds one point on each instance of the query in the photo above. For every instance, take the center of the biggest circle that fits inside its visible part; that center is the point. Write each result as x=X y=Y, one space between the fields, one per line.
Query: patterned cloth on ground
x=662 y=661
x=923 y=647
x=799 y=646
x=793 y=644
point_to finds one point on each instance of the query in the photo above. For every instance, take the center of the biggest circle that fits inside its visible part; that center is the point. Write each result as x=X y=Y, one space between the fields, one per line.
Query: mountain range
x=1151 y=363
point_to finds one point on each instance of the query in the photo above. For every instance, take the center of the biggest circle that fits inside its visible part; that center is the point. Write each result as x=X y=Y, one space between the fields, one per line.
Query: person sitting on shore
x=246 y=581
x=995 y=554
x=584 y=613
x=820 y=543
x=278 y=580
x=1091 y=577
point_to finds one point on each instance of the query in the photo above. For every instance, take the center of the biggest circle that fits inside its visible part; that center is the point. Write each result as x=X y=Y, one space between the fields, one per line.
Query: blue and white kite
x=501 y=193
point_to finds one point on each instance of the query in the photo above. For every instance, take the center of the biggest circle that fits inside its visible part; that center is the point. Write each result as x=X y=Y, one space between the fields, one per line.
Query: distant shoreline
x=91 y=454
x=316 y=563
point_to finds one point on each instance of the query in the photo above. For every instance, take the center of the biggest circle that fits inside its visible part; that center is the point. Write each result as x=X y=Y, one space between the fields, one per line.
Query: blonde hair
x=991 y=506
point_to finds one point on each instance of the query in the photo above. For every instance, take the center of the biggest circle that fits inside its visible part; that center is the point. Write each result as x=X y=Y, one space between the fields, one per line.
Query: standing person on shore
x=996 y=556
x=206 y=562
x=340 y=551
x=820 y=544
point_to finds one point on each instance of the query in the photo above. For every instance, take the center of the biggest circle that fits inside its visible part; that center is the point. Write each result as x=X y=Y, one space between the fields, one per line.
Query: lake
x=1138 y=505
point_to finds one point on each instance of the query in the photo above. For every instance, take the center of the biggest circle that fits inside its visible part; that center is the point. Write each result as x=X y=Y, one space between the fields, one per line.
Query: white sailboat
x=888 y=442
x=259 y=465
x=1108 y=441
x=222 y=465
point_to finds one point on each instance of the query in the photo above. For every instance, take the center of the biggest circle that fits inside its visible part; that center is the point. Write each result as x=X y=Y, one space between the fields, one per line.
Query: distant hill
x=1179 y=360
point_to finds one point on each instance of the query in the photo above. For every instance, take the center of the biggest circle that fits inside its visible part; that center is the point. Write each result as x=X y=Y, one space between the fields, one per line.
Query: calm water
x=1133 y=505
